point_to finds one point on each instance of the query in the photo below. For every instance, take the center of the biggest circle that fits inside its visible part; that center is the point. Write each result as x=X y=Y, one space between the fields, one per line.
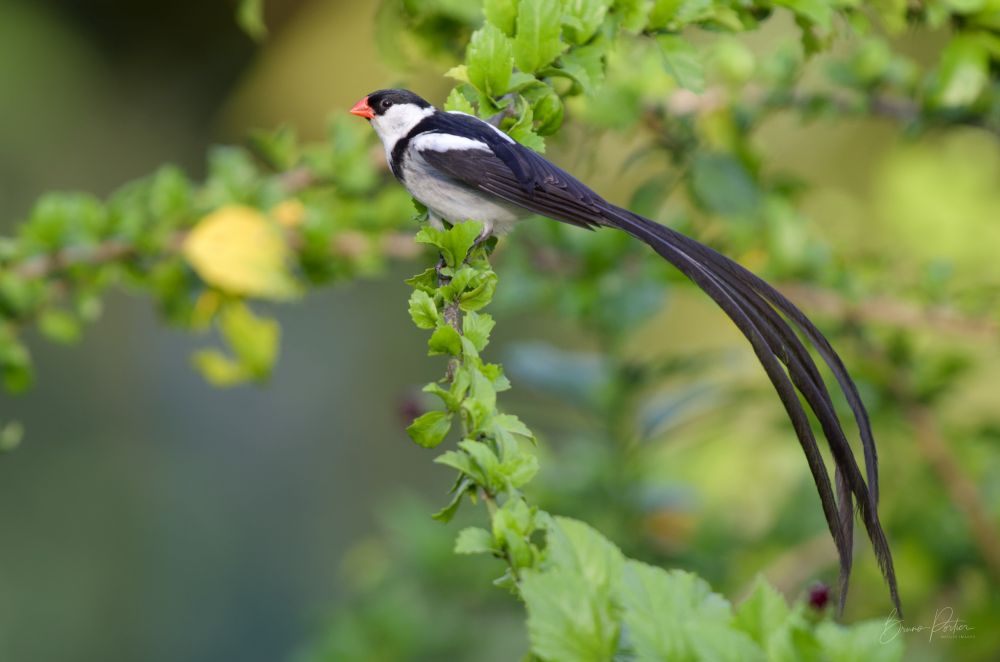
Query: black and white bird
x=461 y=167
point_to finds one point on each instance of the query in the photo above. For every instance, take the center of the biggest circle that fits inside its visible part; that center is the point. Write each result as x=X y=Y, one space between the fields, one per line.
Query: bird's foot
x=484 y=236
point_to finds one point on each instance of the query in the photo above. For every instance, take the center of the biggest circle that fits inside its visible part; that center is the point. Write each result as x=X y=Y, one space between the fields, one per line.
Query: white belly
x=455 y=202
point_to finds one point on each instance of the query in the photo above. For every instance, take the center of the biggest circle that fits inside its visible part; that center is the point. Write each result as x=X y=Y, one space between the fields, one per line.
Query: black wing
x=520 y=176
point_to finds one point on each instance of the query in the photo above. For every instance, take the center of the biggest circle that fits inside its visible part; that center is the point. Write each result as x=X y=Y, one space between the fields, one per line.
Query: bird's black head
x=378 y=102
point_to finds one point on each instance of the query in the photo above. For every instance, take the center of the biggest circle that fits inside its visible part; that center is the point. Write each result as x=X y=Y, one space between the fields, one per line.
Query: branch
x=350 y=243
x=886 y=310
x=899 y=109
x=961 y=488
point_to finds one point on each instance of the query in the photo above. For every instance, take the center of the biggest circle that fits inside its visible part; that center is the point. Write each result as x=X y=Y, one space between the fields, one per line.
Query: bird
x=461 y=168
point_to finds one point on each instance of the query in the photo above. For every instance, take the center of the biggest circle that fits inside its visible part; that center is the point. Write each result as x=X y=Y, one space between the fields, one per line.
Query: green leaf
x=218 y=369
x=485 y=460
x=445 y=340
x=513 y=525
x=817 y=12
x=507 y=427
x=11 y=435
x=565 y=620
x=481 y=294
x=501 y=13
x=634 y=13
x=430 y=429
x=477 y=328
x=60 y=326
x=454 y=243
x=537 y=41
x=664 y=12
x=963 y=72
x=426 y=280
x=463 y=463
x=577 y=547
x=581 y=18
x=250 y=17
x=481 y=401
x=546 y=109
x=490 y=58
x=571 y=614
x=680 y=58
x=763 y=613
x=474 y=540
x=459 y=72
x=278 y=147
x=861 y=642
x=675 y=615
x=448 y=512
x=722 y=185
x=254 y=340
x=457 y=101
x=517 y=471
x=423 y=312
x=520 y=81
x=524 y=133
x=585 y=66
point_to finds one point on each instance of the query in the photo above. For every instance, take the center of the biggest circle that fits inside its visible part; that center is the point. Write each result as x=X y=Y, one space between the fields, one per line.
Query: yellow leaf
x=238 y=250
x=289 y=213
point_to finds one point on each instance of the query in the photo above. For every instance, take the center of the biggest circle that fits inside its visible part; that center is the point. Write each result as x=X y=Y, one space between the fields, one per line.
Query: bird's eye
x=385 y=104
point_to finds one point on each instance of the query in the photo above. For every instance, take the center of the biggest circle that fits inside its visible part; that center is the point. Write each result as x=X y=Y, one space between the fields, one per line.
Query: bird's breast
x=454 y=201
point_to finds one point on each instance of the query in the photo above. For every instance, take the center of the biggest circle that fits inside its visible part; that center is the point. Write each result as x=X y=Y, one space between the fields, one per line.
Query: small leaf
x=763 y=613
x=861 y=642
x=454 y=243
x=445 y=340
x=634 y=13
x=457 y=101
x=585 y=65
x=462 y=462
x=474 y=540
x=485 y=460
x=524 y=133
x=723 y=185
x=60 y=326
x=681 y=61
x=250 y=17
x=501 y=13
x=423 y=312
x=963 y=72
x=430 y=429
x=448 y=512
x=537 y=42
x=817 y=12
x=218 y=369
x=479 y=296
x=581 y=18
x=477 y=328
x=278 y=147
x=11 y=435
x=490 y=58
x=459 y=72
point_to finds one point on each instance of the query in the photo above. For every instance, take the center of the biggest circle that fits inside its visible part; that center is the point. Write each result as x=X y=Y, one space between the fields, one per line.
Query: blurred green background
x=149 y=516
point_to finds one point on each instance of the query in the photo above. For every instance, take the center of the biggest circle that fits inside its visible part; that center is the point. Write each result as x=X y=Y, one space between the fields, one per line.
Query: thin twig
x=348 y=244
x=960 y=487
x=886 y=310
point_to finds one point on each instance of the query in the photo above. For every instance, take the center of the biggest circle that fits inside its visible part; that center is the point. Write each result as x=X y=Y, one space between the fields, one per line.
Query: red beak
x=362 y=109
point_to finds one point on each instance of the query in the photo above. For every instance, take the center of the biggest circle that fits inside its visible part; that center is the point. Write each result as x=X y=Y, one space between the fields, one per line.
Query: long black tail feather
x=754 y=307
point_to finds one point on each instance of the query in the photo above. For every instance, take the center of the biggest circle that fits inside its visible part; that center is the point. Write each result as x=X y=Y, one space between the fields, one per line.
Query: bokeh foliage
x=685 y=85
